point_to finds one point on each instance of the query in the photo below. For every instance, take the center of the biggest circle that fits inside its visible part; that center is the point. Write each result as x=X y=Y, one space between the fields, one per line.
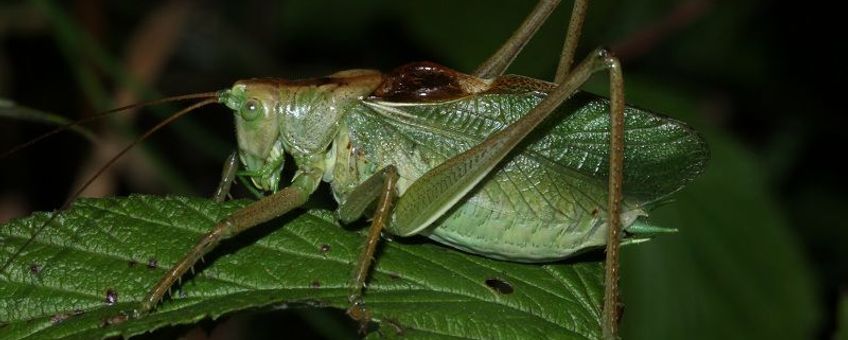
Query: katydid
x=484 y=162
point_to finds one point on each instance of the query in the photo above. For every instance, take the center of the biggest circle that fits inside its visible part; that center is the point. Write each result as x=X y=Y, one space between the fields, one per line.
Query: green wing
x=661 y=155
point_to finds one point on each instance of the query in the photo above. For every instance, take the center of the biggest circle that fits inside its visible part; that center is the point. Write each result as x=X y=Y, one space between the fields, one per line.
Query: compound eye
x=251 y=109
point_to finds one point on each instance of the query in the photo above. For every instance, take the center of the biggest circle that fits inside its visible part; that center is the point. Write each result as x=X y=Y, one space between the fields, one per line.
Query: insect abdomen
x=515 y=237
x=524 y=211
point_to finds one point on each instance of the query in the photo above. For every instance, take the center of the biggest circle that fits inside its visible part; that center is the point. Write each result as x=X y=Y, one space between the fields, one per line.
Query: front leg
x=228 y=175
x=380 y=187
x=261 y=211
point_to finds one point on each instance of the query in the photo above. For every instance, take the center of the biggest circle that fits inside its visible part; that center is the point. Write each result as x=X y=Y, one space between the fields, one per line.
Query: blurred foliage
x=11 y=110
x=761 y=248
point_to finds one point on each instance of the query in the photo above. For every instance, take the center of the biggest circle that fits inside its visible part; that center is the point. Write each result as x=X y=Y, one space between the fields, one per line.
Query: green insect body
x=502 y=166
x=545 y=202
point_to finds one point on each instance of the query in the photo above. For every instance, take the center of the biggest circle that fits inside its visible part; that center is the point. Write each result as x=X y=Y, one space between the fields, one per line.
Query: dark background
x=762 y=242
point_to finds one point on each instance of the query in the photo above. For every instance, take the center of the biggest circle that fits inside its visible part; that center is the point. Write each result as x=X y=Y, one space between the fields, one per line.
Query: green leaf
x=57 y=286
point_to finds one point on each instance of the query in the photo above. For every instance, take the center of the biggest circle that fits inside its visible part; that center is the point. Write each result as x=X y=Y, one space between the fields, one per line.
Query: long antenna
x=105 y=166
x=103 y=114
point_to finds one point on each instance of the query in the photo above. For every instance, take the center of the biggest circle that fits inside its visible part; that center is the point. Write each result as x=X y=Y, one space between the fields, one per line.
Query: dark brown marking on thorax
x=421 y=82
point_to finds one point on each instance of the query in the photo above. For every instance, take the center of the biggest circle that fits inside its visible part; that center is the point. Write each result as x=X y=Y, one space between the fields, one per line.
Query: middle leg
x=379 y=187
